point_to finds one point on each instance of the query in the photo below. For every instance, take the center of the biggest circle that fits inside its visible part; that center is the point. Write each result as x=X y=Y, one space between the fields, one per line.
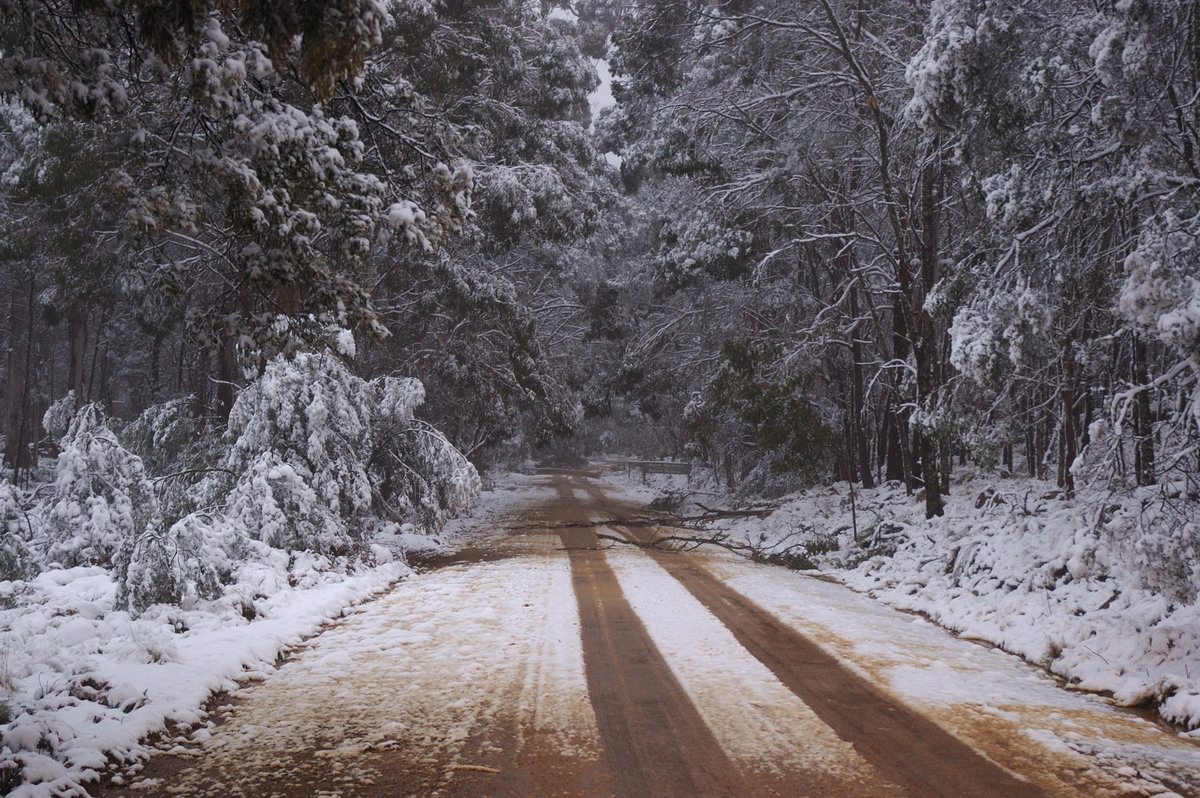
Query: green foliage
x=776 y=409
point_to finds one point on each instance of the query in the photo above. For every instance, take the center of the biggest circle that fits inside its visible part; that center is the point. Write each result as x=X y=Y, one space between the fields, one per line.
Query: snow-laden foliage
x=176 y=447
x=314 y=459
x=945 y=73
x=16 y=561
x=1008 y=332
x=1161 y=293
x=317 y=454
x=414 y=470
x=103 y=498
x=301 y=434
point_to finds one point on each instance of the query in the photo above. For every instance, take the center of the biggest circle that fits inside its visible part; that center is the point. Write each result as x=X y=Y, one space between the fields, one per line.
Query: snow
x=456 y=655
x=1062 y=582
x=88 y=683
x=969 y=689
x=443 y=658
x=754 y=717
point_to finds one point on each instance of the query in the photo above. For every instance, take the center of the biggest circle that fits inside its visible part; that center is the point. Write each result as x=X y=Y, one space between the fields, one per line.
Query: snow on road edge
x=1016 y=564
x=89 y=685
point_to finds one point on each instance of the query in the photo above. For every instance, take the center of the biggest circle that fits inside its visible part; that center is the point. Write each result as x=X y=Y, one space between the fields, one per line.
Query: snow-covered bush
x=295 y=475
x=414 y=470
x=176 y=447
x=312 y=457
x=103 y=498
x=318 y=453
x=16 y=561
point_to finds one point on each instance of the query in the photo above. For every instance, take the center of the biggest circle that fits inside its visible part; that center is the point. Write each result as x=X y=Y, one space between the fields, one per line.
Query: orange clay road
x=635 y=730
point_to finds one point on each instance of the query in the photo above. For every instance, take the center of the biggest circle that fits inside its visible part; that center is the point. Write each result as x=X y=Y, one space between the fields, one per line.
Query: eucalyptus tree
x=789 y=118
x=1076 y=123
x=475 y=319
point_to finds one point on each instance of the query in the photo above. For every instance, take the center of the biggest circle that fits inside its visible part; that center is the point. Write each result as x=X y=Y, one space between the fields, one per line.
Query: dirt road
x=540 y=662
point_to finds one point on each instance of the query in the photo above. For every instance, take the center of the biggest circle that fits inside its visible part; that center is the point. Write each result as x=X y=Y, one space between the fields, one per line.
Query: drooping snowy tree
x=473 y=319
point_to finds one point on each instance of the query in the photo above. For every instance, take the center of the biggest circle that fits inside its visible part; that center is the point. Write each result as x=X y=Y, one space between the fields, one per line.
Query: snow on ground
x=445 y=657
x=629 y=485
x=1063 y=582
x=972 y=690
x=87 y=684
x=753 y=716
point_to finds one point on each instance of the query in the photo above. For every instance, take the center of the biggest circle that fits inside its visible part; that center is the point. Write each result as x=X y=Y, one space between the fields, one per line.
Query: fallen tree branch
x=682 y=521
x=685 y=543
x=794 y=555
x=761 y=512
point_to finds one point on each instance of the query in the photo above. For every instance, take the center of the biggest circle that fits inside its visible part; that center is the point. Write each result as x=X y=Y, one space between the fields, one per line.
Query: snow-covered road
x=543 y=664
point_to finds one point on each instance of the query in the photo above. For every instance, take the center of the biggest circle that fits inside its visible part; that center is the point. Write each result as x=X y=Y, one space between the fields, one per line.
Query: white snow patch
x=753 y=716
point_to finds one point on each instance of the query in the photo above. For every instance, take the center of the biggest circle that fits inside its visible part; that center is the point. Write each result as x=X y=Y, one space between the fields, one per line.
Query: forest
x=285 y=275
x=287 y=283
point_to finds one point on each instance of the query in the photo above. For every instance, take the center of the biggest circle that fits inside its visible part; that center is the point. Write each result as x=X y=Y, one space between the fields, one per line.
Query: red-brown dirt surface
x=555 y=686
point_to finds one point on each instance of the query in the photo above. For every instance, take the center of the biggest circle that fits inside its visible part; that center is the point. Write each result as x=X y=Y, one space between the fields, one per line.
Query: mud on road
x=540 y=662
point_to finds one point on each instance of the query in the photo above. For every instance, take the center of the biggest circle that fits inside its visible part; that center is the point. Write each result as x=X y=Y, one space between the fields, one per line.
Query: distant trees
x=474 y=319
x=955 y=230
x=817 y=197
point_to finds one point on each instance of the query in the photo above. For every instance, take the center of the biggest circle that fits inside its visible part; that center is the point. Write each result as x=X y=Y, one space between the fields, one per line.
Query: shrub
x=102 y=495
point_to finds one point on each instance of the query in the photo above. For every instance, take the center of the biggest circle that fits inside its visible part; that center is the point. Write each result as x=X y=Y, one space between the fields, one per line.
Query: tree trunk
x=76 y=346
x=1069 y=435
x=894 y=463
x=226 y=368
x=926 y=340
x=16 y=422
x=1143 y=421
x=860 y=450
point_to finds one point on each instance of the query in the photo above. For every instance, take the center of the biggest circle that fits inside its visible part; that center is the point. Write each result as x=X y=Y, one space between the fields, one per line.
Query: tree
x=1072 y=125
x=789 y=122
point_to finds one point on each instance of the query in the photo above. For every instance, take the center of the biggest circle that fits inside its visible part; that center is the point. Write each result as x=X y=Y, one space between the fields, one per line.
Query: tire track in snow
x=768 y=731
x=654 y=741
x=906 y=748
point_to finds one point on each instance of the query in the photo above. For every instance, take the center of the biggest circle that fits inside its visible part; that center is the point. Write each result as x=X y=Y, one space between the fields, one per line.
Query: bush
x=102 y=495
x=416 y=474
x=16 y=560
x=318 y=453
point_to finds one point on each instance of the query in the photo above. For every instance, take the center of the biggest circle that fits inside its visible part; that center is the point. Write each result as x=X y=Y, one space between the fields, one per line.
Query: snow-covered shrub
x=102 y=495
x=319 y=452
x=148 y=572
x=415 y=471
x=172 y=442
x=301 y=439
x=16 y=561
